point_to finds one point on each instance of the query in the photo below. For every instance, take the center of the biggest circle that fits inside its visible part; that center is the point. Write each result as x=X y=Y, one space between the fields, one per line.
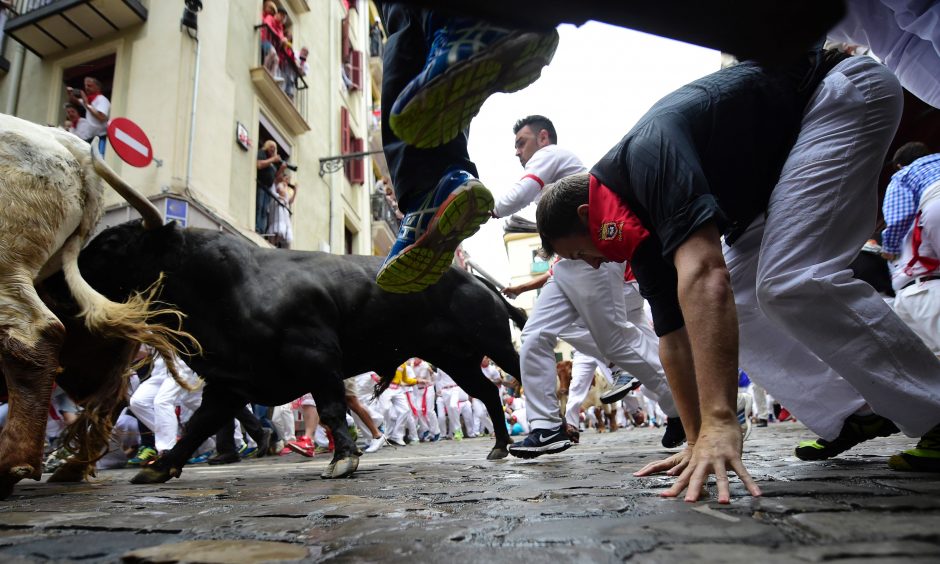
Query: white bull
x=50 y=201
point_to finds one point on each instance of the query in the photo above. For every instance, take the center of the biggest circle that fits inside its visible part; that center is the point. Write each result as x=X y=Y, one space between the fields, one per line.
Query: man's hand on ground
x=673 y=465
x=717 y=451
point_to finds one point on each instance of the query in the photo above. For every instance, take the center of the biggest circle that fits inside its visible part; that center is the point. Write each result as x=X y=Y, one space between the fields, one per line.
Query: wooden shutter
x=355 y=70
x=357 y=167
x=346 y=45
x=344 y=131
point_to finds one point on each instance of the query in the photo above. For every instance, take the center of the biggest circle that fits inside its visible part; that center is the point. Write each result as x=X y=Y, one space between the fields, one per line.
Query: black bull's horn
x=148 y=211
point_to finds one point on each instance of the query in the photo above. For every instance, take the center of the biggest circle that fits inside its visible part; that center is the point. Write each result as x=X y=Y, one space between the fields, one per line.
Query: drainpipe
x=16 y=74
x=192 y=117
x=334 y=125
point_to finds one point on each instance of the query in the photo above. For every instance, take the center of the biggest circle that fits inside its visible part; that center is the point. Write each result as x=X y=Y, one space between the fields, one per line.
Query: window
x=355 y=70
x=350 y=240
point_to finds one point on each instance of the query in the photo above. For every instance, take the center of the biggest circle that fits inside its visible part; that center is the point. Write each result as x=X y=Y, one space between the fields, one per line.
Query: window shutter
x=355 y=70
x=346 y=45
x=357 y=166
x=344 y=133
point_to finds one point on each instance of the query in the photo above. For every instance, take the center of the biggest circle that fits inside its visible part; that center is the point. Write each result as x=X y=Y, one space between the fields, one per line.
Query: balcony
x=285 y=91
x=384 y=224
x=49 y=27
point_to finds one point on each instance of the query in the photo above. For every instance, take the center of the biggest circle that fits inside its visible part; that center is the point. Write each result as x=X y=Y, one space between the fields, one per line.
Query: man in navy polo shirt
x=783 y=165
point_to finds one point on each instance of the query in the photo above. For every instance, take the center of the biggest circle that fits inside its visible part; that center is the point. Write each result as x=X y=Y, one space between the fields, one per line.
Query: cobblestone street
x=444 y=502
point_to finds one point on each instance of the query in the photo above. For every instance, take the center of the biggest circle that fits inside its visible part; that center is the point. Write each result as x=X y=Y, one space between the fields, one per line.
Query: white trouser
x=587 y=308
x=154 y=402
x=441 y=405
x=804 y=320
x=481 y=418
x=283 y=420
x=760 y=401
x=582 y=376
x=424 y=401
x=654 y=411
x=918 y=305
x=397 y=411
x=457 y=404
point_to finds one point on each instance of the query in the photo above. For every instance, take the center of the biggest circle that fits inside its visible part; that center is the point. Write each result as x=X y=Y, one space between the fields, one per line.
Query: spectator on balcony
x=97 y=108
x=269 y=165
x=302 y=66
x=272 y=33
x=392 y=202
x=76 y=124
x=279 y=224
x=288 y=65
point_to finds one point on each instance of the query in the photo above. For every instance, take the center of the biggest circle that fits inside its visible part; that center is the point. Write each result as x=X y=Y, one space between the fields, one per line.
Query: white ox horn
x=148 y=211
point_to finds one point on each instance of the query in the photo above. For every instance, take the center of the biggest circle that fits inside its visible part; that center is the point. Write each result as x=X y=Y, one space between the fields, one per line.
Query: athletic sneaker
x=744 y=415
x=856 y=429
x=224 y=458
x=144 y=456
x=200 y=458
x=396 y=442
x=303 y=445
x=623 y=385
x=376 y=443
x=458 y=435
x=430 y=233
x=468 y=60
x=925 y=457
x=675 y=433
x=541 y=441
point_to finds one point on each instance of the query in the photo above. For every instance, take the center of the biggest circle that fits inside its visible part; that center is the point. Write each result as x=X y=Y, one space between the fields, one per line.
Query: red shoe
x=303 y=446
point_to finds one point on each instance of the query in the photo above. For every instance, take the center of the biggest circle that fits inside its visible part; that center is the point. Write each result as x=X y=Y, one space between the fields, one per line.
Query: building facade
x=193 y=76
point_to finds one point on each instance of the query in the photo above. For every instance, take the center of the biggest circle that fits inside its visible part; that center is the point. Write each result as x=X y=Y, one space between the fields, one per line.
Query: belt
x=922 y=279
x=448 y=387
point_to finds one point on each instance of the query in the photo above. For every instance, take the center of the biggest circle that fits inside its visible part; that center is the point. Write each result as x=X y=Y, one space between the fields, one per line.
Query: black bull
x=277 y=324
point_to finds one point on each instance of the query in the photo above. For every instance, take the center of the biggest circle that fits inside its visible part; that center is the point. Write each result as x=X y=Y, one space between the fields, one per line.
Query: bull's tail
x=517 y=315
x=129 y=320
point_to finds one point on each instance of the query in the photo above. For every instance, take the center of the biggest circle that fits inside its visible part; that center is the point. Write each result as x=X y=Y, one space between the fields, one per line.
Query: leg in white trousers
x=154 y=403
x=582 y=376
x=426 y=418
x=806 y=321
x=586 y=308
x=283 y=421
x=919 y=306
x=481 y=418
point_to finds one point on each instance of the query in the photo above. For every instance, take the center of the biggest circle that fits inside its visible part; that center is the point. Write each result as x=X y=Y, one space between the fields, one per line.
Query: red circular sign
x=130 y=142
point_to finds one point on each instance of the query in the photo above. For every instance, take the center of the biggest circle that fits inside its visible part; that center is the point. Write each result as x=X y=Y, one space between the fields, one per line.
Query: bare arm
x=534 y=284
x=711 y=321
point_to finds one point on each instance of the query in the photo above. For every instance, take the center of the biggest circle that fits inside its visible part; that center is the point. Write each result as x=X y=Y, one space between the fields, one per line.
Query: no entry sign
x=130 y=142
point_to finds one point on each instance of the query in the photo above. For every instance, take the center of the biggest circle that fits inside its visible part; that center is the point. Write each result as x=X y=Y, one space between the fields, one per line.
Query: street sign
x=130 y=142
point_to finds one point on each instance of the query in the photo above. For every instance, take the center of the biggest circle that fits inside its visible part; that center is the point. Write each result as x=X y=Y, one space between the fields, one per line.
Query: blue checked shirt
x=903 y=198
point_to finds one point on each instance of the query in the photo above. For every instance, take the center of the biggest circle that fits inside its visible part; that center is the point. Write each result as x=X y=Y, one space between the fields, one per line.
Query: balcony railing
x=281 y=82
x=382 y=211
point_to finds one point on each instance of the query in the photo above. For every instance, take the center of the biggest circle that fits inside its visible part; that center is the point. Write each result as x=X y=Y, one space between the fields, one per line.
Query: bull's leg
x=472 y=381
x=331 y=404
x=30 y=340
x=217 y=408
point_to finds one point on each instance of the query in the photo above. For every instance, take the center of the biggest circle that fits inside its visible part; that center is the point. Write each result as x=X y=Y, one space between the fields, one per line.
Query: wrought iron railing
x=287 y=74
x=382 y=210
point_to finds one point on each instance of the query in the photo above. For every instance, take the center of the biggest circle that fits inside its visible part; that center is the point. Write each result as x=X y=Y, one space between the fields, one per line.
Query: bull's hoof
x=152 y=475
x=23 y=471
x=342 y=468
x=498 y=453
x=71 y=472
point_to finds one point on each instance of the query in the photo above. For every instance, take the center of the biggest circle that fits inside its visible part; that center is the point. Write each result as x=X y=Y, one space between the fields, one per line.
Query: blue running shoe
x=542 y=441
x=430 y=235
x=199 y=459
x=467 y=62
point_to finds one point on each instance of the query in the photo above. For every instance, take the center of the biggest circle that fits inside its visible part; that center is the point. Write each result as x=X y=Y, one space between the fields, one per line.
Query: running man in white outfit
x=154 y=401
x=581 y=305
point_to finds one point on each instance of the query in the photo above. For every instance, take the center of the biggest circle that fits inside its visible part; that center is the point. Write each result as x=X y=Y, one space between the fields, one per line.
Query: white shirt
x=547 y=165
x=83 y=130
x=492 y=373
x=101 y=104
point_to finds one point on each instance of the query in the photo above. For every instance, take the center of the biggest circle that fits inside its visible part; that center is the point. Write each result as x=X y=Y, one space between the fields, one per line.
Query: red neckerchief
x=91 y=97
x=615 y=230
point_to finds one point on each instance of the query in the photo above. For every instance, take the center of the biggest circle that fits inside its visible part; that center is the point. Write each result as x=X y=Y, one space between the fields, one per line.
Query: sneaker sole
x=301 y=450
x=617 y=395
x=532 y=452
x=445 y=105
x=425 y=262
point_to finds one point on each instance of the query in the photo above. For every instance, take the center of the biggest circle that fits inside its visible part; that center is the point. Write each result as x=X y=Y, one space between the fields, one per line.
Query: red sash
x=917 y=238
